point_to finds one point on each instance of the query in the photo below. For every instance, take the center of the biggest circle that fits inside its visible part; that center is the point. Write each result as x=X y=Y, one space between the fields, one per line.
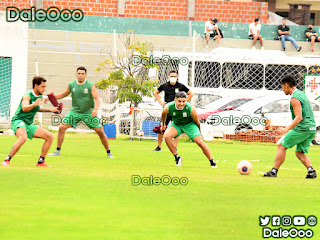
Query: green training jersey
x=307 y=124
x=27 y=117
x=180 y=117
x=82 y=99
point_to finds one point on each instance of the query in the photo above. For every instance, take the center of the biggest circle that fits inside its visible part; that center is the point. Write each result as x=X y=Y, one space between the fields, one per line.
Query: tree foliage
x=128 y=72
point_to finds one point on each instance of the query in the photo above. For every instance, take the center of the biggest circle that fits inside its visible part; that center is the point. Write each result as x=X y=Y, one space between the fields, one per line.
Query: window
x=200 y=100
x=276 y=107
x=235 y=104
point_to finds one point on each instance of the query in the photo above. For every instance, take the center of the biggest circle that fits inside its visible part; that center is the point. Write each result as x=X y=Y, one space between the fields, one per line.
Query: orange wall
x=224 y=11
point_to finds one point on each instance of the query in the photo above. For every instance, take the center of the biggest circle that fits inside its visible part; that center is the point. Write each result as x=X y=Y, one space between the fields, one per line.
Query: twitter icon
x=264 y=221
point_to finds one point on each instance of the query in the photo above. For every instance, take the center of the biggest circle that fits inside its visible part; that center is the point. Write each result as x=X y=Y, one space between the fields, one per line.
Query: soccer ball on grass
x=140 y=133
x=244 y=167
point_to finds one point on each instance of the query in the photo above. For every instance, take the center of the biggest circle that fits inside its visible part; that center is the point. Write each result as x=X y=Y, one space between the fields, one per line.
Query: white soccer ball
x=244 y=167
x=140 y=133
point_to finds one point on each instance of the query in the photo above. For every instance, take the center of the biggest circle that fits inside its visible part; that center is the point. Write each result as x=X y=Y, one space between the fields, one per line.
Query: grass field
x=87 y=196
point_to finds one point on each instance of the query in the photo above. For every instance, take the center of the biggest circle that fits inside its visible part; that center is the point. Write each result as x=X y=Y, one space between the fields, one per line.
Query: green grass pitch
x=86 y=196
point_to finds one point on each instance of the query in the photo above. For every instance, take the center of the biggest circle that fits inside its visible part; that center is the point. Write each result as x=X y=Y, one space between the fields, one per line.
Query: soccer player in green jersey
x=85 y=104
x=184 y=120
x=23 y=118
x=300 y=132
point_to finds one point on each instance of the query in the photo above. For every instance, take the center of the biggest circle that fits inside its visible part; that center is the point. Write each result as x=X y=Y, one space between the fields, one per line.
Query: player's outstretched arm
x=95 y=95
x=164 y=114
x=297 y=109
x=63 y=94
x=190 y=95
x=156 y=94
x=26 y=106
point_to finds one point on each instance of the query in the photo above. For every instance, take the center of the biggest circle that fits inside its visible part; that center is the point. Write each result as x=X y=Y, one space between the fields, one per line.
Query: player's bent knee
x=201 y=144
x=23 y=139
x=102 y=134
x=299 y=153
x=63 y=127
x=168 y=136
x=50 y=137
x=198 y=140
x=281 y=147
x=99 y=131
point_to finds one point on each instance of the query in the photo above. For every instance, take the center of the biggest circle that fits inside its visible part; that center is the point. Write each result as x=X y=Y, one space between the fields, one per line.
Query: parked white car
x=222 y=104
x=253 y=114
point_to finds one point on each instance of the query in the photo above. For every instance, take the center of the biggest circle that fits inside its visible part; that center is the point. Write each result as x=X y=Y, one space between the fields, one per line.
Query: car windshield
x=201 y=100
x=235 y=103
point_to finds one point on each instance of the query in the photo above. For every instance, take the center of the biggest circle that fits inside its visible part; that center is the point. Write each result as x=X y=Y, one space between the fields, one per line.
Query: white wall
x=14 y=43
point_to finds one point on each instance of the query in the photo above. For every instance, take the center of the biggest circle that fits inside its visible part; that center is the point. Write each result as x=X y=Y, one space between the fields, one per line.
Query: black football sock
x=41 y=159
x=310 y=169
x=212 y=162
x=274 y=171
x=58 y=149
x=108 y=151
x=8 y=158
x=176 y=156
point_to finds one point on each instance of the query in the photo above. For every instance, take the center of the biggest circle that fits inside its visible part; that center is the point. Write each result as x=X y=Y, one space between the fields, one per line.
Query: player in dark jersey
x=85 y=104
x=300 y=132
x=170 y=88
x=23 y=118
x=184 y=120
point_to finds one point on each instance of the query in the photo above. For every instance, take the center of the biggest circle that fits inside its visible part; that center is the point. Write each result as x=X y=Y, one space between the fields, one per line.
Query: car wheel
x=316 y=140
x=243 y=127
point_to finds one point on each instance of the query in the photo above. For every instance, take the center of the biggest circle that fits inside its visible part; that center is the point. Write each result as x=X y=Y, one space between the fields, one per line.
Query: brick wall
x=224 y=11
x=107 y=8
x=157 y=9
x=15 y=3
x=239 y=12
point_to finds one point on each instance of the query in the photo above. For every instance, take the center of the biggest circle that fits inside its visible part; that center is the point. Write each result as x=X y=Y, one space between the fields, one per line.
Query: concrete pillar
x=39 y=4
x=191 y=10
x=272 y=6
x=121 y=8
x=299 y=15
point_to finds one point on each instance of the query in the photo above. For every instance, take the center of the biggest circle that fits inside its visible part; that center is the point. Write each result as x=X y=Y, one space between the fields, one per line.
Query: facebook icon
x=276 y=221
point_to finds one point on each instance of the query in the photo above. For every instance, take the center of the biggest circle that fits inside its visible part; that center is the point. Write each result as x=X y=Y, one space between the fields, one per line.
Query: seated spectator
x=284 y=32
x=211 y=30
x=312 y=36
x=254 y=33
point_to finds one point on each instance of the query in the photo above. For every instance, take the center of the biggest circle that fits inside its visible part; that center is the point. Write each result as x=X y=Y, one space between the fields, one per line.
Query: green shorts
x=31 y=129
x=74 y=118
x=191 y=129
x=302 y=140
